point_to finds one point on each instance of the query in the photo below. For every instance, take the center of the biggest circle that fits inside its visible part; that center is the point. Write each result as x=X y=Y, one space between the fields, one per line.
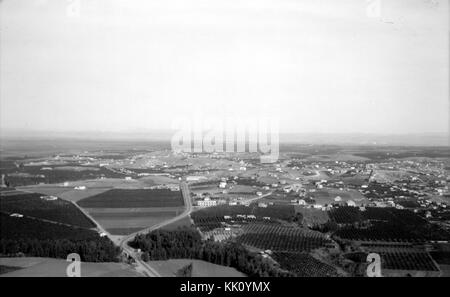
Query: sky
x=319 y=66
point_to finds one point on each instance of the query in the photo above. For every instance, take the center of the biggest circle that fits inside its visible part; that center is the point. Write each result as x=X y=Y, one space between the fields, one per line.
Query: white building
x=49 y=198
x=195 y=178
x=351 y=203
x=206 y=202
x=81 y=188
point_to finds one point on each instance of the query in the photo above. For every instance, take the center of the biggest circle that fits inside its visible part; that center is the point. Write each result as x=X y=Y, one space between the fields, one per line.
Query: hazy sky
x=320 y=66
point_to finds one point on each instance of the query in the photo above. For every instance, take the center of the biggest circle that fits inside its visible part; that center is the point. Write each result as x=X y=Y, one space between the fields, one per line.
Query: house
x=195 y=178
x=207 y=202
x=16 y=215
x=222 y=184
x=80 y=188
x=351 y=203
x=49 y=198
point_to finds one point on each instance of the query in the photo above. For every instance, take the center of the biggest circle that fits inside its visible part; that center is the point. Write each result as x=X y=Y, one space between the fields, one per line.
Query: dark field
x=26 y=228
x=384 y=224
x=32 y=205
x=304 y=265
x=30 y=237
x=121 y=198
x=31 y=175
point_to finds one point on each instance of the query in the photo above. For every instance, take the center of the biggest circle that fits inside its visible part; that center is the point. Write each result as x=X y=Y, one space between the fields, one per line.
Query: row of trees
x=94 y=250
x=187 y=243
x=29 y=237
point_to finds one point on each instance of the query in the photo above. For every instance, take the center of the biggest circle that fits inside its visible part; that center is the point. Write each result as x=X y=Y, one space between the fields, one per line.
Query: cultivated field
x=122 y=211
x=327 y=196
x=122 y=198
x=31 y=205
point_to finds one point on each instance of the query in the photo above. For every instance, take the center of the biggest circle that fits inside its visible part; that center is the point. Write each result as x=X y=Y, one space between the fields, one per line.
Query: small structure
x=351 y=203
x=3 y=185
x=49 y=198
x=80 y=188
x=301 y=202
x=207 y=202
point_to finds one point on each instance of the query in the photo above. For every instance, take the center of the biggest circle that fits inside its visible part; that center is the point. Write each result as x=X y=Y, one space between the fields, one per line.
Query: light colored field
x=326 y=196
x=157 y=179
x=96 y=186
x=242 y=189
x=337 y=157
x=46 y=267
x=169 y=268
x=206 y=189
x=123 y=221
x=76 y=195
x=76 y=168
x=386 y=176
x=114 y=224
x=45 y=189
x=441 y=199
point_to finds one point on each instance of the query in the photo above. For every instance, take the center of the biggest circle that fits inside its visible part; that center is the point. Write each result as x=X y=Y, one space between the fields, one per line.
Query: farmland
x=384 y=224
x=214 y=217
x=32 y=205
x=128 y=221
x=304 y=265
x=31 y=237
x=401 y=262
x=31 y=175
x=295 y=226
x=124 y=211
x=122 y=198
x=276 y=237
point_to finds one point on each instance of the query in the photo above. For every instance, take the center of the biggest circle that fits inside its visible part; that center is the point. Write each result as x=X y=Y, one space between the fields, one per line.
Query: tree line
x=186 y=243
